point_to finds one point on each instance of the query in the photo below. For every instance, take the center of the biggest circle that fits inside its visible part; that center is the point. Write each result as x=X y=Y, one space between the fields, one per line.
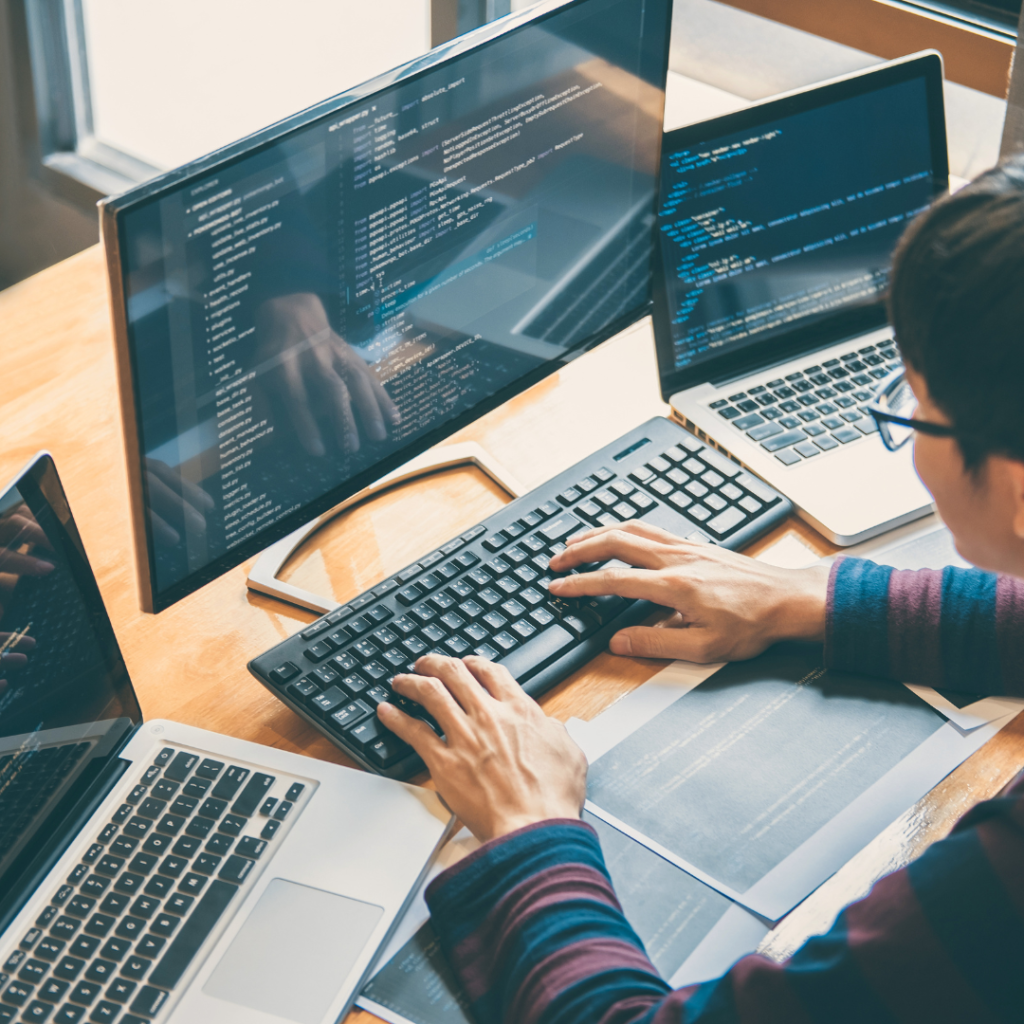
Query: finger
x=460 y=682
x=168 y=504
x=495 y=679
x=639 y=551
x=24 y=530
x=340 y=397
x=297 y=400
x=682 y=644
x=417 y=734
x=22 y=643
x=433 y=696
x=13 y=660
x=641 y=584
x=638 y=527
x=358 y=378
x=23 y=565
x=193 y=494
x=163 y=533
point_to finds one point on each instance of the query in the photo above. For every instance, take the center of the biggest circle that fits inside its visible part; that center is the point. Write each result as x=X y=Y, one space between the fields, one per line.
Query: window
x=127 y=88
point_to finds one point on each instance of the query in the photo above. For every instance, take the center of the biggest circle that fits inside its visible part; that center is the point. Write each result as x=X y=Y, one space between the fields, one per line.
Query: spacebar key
x=538 y=651
x=200 y=923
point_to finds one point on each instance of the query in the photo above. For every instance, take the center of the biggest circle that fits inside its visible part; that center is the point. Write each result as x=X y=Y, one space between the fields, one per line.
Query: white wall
x=173 y=79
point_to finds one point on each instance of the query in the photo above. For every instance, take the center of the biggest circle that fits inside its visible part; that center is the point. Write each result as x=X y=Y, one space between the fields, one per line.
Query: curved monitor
x=302 y=312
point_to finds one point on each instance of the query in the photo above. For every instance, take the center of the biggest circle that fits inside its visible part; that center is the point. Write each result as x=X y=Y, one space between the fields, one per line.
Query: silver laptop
x=776 y=226
x=151 y=871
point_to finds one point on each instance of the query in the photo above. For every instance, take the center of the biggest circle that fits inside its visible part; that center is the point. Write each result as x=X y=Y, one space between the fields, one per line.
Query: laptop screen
x=65 y=698
x=783 y=218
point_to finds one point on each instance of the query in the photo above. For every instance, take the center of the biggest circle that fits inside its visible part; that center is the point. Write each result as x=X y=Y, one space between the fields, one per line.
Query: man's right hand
x=728 y=607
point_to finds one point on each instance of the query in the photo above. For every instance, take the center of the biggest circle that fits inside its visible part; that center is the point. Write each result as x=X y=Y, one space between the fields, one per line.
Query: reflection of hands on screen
x=173 y=501
x=311 y=365
x=20 y=536
x=14 y=650
x=18 y=533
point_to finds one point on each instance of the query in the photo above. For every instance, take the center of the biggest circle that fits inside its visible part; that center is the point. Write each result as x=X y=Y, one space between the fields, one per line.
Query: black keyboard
x=121 y=931
x=485 y=591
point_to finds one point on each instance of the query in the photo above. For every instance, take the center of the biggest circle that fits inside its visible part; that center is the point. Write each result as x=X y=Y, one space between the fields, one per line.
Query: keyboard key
x=198 y=828
x=230 y=783
x=130 y=927
x=170 y=824
x=85 y=992
x=774 y=444
x=69 y=1014
x=209 y=768
x=159 y=886
x=191 y=936
x=288 y=671
x=151 y=807
x=120 y=990
x=50 y=948
x=788 y=457
x=101 y=971
x=179 y=768
x=349 y=715
x=135 y=967
x=807 y=449
x=388 y=750
x=186 y=845
x=53 y=990
x=115 y=948
x=253 y=794
x=846 y=434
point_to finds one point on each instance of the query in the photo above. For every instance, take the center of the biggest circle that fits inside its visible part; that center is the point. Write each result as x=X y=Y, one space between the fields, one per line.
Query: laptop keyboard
x=814 y=411
x=28 y=779
x=486 y=591
x=120 y=933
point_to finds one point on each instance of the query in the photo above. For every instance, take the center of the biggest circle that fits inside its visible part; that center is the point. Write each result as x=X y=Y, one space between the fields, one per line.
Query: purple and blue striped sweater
x=532 y=927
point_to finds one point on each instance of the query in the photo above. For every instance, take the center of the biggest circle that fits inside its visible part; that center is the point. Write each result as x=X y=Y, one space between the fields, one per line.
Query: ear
x=1015 y=476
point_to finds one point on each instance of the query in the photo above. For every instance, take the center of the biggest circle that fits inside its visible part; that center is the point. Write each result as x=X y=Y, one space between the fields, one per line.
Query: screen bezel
x=831 y=328
x=112 y=214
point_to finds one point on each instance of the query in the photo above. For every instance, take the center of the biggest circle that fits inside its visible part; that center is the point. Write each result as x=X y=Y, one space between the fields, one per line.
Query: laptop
x=151 y=871
x=775 y=231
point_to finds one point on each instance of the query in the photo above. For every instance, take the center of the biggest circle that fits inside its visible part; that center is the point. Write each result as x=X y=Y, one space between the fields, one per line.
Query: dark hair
x=956 y=303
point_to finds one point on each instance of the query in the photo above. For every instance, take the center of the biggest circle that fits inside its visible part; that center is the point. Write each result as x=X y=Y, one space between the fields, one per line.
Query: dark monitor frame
x=829 y=329
x=112 y=211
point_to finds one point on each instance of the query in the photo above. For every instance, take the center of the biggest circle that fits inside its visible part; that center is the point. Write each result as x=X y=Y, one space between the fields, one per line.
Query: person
x=530 y=922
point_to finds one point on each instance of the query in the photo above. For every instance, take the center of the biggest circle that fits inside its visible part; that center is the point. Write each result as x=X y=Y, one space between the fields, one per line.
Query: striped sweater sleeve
x=532 y=928
x=957 y=629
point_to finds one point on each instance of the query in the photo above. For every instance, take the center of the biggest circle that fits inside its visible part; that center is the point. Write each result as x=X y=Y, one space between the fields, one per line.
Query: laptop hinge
x=24 y=888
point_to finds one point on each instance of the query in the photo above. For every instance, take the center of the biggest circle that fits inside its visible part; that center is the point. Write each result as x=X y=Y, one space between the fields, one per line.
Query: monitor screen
x=66 y=704
x=786 y=215
x=305 y=314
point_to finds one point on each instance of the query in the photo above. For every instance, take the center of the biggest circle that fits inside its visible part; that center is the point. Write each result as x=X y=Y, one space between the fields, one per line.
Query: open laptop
x=776 y=226
x=154 y=872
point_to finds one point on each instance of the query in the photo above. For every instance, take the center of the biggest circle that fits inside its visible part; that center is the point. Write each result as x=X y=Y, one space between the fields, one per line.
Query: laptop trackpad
x=294 y=951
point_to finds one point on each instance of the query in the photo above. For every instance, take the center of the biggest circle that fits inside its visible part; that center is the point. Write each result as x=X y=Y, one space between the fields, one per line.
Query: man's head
x=957 y=307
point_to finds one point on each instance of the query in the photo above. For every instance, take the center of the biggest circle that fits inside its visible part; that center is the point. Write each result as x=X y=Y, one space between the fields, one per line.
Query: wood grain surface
x=57 y=391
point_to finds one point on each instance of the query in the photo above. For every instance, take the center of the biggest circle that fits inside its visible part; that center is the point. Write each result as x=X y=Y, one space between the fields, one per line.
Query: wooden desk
x=57 y=391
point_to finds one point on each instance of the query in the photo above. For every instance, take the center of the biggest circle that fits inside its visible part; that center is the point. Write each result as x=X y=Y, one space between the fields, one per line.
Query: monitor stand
x=263 y=575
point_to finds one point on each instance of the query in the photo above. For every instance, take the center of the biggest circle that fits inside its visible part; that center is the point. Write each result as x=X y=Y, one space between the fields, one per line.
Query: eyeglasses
x=893 y=411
